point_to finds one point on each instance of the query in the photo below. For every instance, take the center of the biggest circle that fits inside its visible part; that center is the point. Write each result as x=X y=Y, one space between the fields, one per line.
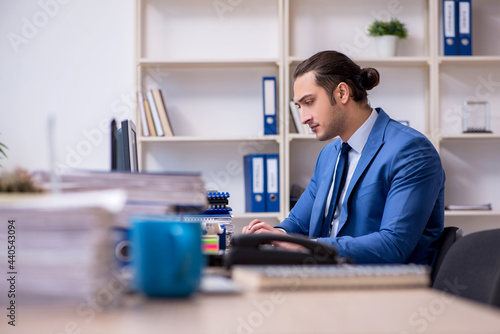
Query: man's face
x=325 y=120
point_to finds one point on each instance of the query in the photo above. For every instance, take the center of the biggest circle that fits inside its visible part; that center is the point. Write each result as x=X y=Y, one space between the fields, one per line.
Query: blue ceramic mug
x=166 y=255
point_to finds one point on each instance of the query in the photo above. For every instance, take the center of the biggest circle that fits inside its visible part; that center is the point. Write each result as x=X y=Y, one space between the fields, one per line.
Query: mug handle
x=180 y=252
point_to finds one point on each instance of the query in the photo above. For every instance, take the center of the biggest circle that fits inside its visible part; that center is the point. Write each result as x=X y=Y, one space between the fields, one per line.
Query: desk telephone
x=257 y=249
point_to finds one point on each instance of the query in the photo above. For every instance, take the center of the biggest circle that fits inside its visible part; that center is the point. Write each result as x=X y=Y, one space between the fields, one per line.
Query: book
x=149 y=118
x=162 y=111
x=142 y=113
x=155 y=114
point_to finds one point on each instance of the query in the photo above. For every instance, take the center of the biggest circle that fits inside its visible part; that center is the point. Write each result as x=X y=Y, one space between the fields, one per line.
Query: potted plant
x=387 y=34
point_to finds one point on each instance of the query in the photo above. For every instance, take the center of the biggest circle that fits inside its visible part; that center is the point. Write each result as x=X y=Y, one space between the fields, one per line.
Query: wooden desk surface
x=333 y=311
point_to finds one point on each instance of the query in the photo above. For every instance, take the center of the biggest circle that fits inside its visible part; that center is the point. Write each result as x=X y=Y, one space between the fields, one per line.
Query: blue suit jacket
x=393 y=209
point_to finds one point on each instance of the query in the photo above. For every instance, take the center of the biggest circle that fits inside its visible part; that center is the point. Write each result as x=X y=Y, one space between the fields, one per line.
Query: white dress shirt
x=357 y=143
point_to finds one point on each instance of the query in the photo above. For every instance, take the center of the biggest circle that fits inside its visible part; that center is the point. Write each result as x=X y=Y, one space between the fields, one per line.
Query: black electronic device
x=255 y=249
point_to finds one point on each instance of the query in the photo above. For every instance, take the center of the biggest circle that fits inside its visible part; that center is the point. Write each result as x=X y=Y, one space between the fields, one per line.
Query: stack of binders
x=457 y=27
x=262 y=183
x=218 y=203
x=216 y=224
x=216 y=221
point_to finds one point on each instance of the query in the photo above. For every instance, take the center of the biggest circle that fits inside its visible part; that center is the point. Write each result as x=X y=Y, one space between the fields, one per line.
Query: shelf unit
x=471 y=161
x=209 y=62
x=306 y=27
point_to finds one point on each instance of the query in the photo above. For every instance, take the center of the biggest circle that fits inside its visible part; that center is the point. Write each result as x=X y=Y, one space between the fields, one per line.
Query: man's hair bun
x=369 y=78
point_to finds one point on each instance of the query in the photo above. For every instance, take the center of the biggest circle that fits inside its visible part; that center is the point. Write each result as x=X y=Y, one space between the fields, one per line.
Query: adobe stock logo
x=31 y=28
x=223 y=6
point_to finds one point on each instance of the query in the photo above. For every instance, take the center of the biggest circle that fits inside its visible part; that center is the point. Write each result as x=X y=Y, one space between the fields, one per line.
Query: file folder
x=272 y=183
x=270 y=105
x=464 y=28
x=254 y=170
x=450 y=47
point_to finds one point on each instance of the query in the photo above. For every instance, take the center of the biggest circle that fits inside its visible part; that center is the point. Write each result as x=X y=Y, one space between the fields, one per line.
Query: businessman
x=377 y=192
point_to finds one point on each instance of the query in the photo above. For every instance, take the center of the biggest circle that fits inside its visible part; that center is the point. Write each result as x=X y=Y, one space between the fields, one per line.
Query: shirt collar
x=360 y=137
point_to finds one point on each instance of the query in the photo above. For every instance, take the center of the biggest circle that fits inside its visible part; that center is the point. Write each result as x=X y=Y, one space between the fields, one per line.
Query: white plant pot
x=387 y=45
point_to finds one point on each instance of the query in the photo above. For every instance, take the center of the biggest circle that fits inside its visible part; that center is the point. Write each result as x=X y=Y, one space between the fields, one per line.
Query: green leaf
x=392 y=27
x=2 y=151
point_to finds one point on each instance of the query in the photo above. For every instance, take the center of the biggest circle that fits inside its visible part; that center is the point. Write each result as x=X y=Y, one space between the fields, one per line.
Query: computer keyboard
x=257 y=277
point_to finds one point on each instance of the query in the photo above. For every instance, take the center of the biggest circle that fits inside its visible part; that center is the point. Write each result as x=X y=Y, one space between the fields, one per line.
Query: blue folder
x=255 y=180
x=464 y=28
x=272 y=183
x=450 y=38
x=270 y=105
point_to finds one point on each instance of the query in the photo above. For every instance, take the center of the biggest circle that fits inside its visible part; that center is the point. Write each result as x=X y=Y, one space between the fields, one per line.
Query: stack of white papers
x=147 y=193
x=61 y=245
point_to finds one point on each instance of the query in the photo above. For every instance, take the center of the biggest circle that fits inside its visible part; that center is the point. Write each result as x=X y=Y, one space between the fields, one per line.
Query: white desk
x=304 y=312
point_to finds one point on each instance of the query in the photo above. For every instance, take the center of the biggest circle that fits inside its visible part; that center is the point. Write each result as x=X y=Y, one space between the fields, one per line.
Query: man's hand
x=259 y=226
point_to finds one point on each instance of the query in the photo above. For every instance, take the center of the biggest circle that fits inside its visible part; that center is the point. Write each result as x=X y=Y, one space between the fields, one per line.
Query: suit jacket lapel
x=372 y=146
x=317 y=215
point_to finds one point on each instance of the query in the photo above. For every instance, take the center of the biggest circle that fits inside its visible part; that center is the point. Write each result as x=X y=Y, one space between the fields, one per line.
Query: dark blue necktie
x=340 y=176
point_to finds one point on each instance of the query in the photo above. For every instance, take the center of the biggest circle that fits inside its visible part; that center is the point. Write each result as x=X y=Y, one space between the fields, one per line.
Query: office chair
x=471 y=268
x=446 y=240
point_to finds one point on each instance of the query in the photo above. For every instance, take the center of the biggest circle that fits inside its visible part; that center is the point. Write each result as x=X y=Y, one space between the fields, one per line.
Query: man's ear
x=343 y=93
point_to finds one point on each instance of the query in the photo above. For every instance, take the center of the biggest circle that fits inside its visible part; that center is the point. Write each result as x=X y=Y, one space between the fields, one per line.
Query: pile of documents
x=60 y=244
x=64 y=244
x=147 y=193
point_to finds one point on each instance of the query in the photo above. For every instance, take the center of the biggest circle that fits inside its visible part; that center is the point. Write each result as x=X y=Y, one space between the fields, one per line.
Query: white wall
x=70 y=58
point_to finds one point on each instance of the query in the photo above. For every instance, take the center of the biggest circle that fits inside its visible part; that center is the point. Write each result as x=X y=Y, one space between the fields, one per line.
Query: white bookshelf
x=209 y=62
x=316 y=25
x=471 y=160
x=209 y=65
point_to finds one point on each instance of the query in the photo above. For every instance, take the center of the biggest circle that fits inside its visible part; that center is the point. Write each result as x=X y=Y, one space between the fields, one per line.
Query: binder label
x=272 y=175
x=269 y=93
x=449 y=20
x=258 y=175
x=464 y=14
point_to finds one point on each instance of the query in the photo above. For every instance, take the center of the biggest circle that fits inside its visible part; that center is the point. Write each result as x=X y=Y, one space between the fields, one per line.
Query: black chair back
x=447 y=239
x=471 y=268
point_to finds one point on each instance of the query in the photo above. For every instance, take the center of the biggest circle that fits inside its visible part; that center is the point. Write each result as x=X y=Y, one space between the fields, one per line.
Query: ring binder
x=270 y=105
x=450 y=47
x=254 y=167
